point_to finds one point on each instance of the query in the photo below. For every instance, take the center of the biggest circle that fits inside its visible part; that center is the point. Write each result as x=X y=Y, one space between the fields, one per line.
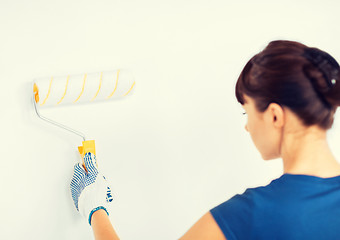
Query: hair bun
x=324 y=74
x=324 y=62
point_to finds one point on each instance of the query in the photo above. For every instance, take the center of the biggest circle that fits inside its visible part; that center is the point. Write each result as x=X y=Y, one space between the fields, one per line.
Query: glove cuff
x=96 y=209
x=92 y=197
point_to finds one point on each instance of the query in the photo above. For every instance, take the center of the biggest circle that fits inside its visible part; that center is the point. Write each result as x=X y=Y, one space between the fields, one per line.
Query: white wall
x=174 y=149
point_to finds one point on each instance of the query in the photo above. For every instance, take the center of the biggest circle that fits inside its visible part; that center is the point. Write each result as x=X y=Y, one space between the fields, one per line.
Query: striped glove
x=90 y=190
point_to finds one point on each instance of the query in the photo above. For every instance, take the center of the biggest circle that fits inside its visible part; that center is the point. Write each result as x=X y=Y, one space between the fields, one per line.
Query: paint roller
x=78 y=89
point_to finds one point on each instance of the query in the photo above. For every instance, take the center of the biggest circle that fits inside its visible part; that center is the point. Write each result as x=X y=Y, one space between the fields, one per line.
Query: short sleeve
x=235 y=216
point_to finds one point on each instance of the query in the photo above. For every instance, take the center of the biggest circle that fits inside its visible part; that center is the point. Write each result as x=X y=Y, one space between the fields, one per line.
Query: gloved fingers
x=78 y=178
x=79 y=169
x=77 y=183
x=91 y=163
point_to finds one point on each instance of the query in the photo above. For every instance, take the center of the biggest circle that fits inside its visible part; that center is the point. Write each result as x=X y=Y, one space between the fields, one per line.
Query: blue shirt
x=290 y=207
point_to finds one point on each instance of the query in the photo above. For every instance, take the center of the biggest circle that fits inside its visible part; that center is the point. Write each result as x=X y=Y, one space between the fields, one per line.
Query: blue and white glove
x=90 y=190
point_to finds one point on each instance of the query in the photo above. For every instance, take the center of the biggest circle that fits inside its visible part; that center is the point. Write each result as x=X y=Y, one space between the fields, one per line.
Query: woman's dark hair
x=305 y=80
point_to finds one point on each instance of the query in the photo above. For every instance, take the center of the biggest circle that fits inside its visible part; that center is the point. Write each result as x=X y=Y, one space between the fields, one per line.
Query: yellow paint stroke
x=115 y=86
x=48 y=93
x=130 y=89
x=82 y=90
x=100 y=85
x=62 y=98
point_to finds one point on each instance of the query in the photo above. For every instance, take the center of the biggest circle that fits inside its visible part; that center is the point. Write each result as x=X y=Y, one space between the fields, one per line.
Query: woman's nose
x=245 y=127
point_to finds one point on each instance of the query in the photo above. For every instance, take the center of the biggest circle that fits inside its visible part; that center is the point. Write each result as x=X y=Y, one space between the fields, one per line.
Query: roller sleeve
x=83 y=88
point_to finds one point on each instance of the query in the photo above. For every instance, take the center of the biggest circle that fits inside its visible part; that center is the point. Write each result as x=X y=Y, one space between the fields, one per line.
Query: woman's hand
x=90 y=190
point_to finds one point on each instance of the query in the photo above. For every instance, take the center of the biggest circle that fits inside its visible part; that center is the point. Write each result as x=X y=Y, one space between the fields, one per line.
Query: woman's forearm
x=102 y=227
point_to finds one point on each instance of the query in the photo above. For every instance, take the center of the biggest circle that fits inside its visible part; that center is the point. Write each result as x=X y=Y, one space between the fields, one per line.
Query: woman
x=290 y=93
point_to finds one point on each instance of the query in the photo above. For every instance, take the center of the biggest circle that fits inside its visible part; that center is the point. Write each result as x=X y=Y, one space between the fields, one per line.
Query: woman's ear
x=276 y=115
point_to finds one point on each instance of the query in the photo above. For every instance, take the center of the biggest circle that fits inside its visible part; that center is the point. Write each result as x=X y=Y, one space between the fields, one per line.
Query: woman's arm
x=92 y=195
x=205 y=228
x=102 y=227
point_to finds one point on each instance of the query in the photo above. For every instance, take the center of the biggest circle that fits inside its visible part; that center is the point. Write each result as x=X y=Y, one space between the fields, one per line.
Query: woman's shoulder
x=254 y=197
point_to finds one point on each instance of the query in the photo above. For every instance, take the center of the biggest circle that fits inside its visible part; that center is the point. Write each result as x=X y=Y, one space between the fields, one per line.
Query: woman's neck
x=307 y=152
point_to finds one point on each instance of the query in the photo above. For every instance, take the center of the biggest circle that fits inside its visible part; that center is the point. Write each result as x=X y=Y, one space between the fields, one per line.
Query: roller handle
x=88 y=146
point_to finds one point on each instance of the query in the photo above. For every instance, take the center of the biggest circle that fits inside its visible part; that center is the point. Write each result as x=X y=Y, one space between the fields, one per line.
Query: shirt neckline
x=311 y=178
